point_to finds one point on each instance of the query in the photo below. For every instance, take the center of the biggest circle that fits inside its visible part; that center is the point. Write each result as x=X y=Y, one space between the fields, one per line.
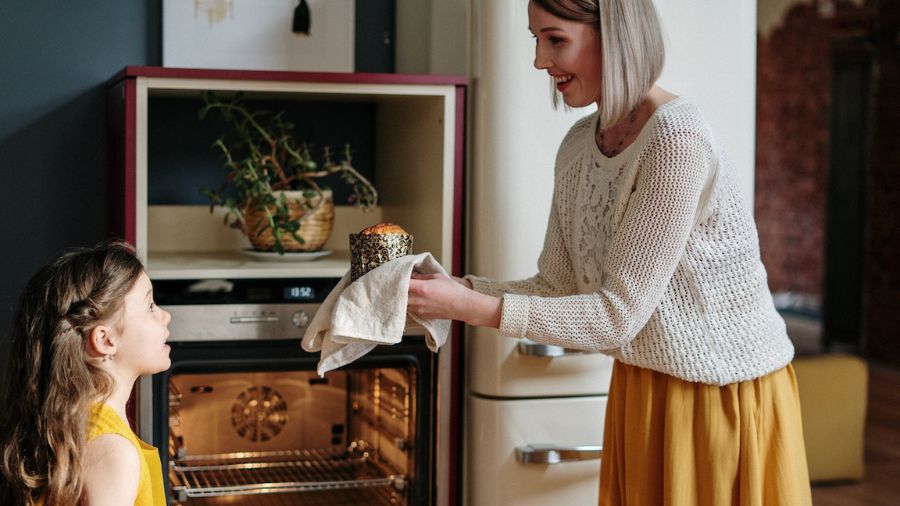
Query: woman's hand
x=441 y=297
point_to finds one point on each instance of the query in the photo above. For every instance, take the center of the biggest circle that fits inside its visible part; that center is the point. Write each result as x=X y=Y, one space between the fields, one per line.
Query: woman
x=652 y=257
x=85 y=329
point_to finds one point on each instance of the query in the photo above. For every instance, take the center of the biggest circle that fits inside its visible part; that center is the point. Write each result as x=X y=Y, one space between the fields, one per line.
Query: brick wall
x=793 y=96
x=793 y=99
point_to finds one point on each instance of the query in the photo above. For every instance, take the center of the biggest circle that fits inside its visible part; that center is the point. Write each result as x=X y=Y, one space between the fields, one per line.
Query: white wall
x=433 y=36
x=711 y=58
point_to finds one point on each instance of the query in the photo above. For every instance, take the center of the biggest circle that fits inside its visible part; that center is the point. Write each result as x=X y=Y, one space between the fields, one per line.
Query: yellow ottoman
x=833 y=393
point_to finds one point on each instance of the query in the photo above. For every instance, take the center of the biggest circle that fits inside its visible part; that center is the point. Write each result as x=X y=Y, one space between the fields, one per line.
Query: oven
x=241 y=417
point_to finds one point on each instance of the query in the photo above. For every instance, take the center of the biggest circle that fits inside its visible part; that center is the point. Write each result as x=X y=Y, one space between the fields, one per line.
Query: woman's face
x=570 y=52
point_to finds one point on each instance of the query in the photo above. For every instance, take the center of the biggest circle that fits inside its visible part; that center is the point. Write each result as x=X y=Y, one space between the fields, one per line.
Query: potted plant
x=278 y=202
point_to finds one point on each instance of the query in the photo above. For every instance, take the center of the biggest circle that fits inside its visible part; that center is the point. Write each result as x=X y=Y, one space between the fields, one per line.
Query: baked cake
x=376 y=245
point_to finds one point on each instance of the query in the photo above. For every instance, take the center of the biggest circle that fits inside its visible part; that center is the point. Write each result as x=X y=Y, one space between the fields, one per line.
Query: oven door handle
x=533 y=349
x=555 y=454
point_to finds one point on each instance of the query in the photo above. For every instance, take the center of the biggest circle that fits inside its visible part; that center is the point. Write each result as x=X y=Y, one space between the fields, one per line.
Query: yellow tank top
x=151 y=490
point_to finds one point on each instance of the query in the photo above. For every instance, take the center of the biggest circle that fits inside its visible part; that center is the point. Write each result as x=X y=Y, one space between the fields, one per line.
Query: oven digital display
x=242 y=291
x=299 y=293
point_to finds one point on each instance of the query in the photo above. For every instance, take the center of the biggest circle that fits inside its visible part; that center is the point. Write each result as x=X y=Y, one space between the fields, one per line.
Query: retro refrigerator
x=534 y=414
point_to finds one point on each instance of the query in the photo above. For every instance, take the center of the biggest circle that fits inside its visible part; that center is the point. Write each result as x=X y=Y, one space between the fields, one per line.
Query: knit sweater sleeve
x=554 y=277
x=644 y=252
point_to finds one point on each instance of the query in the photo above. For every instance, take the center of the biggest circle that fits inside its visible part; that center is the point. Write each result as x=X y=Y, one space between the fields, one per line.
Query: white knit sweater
x=652 y=257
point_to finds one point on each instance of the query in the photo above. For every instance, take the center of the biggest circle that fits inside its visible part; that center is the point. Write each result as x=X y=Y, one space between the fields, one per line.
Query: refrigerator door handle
x=533 y=349
x=555 y=454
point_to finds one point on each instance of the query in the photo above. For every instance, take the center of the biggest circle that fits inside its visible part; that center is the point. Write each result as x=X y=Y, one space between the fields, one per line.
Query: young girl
x=86 y=327
x=650 y=256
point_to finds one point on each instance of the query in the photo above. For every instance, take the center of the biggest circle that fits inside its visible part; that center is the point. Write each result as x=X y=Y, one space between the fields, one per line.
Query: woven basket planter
x=315 y=223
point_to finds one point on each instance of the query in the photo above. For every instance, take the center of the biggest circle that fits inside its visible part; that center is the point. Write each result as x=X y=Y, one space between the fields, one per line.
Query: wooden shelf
x=237 y=265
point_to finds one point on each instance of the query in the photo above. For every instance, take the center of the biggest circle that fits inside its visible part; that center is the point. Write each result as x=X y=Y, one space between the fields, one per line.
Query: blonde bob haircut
x=632 y=49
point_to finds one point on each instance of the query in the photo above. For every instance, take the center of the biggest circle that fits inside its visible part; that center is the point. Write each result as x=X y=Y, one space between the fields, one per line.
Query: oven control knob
x=300 y=319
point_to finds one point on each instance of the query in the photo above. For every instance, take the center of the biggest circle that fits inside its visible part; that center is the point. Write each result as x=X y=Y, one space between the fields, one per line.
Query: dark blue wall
x=181 y=158
x=54 y=60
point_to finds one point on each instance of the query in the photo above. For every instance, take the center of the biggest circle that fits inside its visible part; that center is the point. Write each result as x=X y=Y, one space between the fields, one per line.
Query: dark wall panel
x=182 y=161
x=55 y=58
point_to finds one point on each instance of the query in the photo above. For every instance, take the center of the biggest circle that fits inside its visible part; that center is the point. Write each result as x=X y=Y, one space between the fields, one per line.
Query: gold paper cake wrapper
x=368 y=251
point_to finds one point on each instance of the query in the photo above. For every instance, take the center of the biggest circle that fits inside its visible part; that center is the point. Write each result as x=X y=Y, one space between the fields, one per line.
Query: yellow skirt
x=676 y=443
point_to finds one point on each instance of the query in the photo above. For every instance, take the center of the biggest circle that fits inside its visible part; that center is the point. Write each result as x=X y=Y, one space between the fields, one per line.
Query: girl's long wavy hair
x=51 y=381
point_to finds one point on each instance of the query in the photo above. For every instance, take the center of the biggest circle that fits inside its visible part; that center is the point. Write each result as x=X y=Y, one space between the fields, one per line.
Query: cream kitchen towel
x=358 y=316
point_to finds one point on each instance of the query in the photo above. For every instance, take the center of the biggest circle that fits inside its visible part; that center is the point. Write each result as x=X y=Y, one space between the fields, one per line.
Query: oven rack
x=306 y=470
x=381 y=496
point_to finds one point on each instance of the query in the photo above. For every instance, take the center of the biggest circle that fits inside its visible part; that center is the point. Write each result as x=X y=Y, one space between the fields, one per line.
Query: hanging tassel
x=301 y=18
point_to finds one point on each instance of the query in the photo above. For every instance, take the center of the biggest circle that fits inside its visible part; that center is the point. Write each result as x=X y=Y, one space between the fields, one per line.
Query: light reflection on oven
x=292 y=438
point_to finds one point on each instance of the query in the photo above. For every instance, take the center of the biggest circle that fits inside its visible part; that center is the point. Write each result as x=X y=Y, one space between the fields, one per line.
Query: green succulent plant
x=264 y=159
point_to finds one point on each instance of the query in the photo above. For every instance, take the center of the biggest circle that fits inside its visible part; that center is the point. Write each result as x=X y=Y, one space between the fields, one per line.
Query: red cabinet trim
x=271 y=75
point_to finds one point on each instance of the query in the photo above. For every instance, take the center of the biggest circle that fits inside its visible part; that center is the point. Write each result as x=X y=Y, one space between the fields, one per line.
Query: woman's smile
x=562 y=81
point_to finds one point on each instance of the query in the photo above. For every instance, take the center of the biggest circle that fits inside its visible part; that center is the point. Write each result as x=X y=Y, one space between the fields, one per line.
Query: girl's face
x=570 y=52
x=142 y=348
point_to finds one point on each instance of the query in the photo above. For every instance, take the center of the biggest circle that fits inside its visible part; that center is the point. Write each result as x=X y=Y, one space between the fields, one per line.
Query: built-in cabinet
x=417 y=128
x=418 y=142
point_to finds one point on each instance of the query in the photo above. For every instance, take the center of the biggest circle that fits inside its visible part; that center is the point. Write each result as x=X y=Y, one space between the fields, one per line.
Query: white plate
x=288 y=256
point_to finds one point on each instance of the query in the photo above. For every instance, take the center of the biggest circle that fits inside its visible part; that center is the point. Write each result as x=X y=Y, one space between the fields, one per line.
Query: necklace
x=618 y=149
